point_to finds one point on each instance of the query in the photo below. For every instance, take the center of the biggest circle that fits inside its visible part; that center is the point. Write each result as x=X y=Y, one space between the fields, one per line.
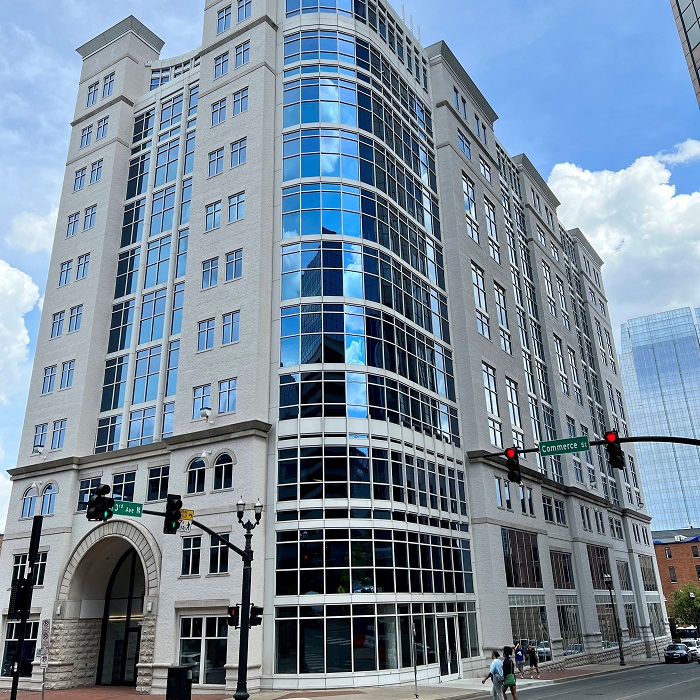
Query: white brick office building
x=307 y=226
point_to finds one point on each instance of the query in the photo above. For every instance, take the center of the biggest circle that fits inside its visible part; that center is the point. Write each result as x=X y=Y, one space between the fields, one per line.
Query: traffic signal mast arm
x=638 y=438
x=215 y=535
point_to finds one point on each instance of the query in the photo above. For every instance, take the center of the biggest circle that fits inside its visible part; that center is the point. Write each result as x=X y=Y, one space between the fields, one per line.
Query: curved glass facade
x=364 y=335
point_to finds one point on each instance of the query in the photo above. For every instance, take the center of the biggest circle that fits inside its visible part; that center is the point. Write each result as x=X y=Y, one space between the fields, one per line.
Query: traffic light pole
x=246 y=555
x=27 y=602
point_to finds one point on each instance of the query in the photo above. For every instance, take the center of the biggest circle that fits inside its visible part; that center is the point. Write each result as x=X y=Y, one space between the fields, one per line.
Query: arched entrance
x=103 y=629
x=121 y=625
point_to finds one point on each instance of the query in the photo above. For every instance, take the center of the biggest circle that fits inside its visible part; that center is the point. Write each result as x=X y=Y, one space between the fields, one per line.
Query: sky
x=596 y=93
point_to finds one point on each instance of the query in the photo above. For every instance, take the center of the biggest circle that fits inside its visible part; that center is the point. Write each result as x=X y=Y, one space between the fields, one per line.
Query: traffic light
x=172 y=514
x=100 y=505
x=234 y=616
x=513 y=465
x=616 y=457
x=256 y=614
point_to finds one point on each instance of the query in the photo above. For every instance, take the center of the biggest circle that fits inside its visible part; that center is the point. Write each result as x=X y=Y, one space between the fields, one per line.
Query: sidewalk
x=461 y=689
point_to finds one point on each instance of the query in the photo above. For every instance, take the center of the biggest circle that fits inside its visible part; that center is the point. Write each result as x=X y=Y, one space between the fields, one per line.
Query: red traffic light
x=612 y=436
x=511 y=453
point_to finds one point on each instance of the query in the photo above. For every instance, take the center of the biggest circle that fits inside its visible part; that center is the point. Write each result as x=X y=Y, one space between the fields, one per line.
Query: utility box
x=179 y=683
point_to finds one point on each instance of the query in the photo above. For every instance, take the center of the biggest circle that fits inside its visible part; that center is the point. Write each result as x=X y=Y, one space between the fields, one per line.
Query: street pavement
x=644 y=680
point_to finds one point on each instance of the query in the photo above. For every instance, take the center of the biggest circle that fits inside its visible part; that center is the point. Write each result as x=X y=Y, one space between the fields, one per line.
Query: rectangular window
x=182 y=245
x=59 y=433
x=218 y=555
x=464 y=144
x=83 y=265
x=599 y=565
x=67 y=371
x=76 y=317
x=559 y=512
x=73 y=221
x=168 y=420
x=57 y=324
x=489 y=379
x=79 y=181
x=171 y=112
x=216 y=162
x=548 y=508
x=189 y=153
x=562 y=570
x=158 y=479
x=146 y=374
x=470 y=208
x=218 y=112
x=201 y=398
x=234 y=265
x=102 y=126
x=240 y=101
x=64 y=275
x=85 y=489
x=152 y=316
x=108 y=434
x=40 y=435
x=166 y=163
x=47 y=385
x=521 y=558
x=89 y=220
x=221 y=65
x=236 y=207
x=157 y=262
x=92 y=93
x=210 y=273
x=205 y=335
x=173 y=363
x=191 y=549
x=223 y=19
x=132 y=223
x=242 y=54
x=162 y=210
x=107 y=85
x=213 y=216
x=239 y=152
x=19 y=569
x=244 y=9
x=86 y=136
x=123 y=486
x=178 y=303
x=141 y=426
x=204 y=639
x=185 y=204
x=127 y=272
x=231 y=328
x=672 y=574
x=227 y=396
x=485 y=169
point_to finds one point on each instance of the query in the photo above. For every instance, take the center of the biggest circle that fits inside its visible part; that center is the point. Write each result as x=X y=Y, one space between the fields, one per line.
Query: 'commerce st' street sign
x=552 y=448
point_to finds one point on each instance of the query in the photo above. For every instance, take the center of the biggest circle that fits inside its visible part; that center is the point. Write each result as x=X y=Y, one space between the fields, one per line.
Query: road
x=658 y=682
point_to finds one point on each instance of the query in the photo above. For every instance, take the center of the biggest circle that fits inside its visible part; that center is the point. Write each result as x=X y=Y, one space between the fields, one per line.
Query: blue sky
x=597 y=93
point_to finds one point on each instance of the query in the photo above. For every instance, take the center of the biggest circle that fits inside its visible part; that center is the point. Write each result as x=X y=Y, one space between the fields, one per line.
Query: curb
x=606 y=672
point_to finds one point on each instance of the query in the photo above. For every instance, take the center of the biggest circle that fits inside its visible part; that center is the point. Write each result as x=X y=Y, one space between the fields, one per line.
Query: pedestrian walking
x=509 y=680
x=520 y=658
x=534 y=660
x=496 y=675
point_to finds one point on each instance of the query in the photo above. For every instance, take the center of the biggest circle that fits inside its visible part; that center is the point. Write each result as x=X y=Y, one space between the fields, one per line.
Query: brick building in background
x=678 y=557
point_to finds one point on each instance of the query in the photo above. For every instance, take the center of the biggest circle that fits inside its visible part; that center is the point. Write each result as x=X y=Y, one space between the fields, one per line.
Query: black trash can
x=179 y=683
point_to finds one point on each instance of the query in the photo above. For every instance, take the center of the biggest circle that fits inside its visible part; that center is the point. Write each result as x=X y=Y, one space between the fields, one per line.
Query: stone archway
x=79 y=606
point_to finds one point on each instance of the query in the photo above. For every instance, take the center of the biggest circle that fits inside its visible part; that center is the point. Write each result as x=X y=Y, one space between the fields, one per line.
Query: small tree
x=683 y=607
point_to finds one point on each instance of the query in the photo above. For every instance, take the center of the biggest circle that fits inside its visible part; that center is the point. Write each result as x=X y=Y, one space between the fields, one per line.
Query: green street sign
x=134 y=510
x=551 y=448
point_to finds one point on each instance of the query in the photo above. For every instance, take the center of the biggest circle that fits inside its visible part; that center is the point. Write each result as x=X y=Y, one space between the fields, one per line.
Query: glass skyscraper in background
x=660 y=361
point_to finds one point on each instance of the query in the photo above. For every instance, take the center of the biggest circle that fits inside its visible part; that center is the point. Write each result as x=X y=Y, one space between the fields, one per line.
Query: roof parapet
x=130 y=24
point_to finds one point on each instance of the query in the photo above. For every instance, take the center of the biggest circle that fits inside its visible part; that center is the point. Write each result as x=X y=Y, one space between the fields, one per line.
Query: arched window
x=48 y=502
x=195 y=476
x=223 y=472
x=29 y=502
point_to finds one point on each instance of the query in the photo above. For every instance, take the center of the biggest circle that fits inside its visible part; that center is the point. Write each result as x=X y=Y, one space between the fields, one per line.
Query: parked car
x=573 y=649
x=693 y=648
x=544 y=651
x=677 y=652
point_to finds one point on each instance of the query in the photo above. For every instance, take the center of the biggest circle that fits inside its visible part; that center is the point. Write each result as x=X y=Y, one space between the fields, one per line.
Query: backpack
x=509 y=673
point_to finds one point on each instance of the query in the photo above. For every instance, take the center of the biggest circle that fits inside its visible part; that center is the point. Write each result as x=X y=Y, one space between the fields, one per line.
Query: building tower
x=687 y=16
x=661 y=369
x=295 y=264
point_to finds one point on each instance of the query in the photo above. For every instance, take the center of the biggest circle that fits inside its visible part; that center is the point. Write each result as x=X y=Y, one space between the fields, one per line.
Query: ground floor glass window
x=606 y=621
x=10 y=649
x=203 y=648
x=528 y=619
x=569 y=625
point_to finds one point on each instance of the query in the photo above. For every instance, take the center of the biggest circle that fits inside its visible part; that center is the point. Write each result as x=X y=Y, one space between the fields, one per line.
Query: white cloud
x=648 y=236
x=685 y=153
x=33 y=232
x=18 y=295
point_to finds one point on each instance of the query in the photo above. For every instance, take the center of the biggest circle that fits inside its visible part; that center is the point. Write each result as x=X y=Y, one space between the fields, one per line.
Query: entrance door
x=121 y=631
x=447 y=648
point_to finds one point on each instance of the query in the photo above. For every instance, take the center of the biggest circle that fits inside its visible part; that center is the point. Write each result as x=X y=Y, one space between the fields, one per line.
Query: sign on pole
x=134 y=510
x=186 y=514
x=185 y=526
x=45 y=633
x=551 y=448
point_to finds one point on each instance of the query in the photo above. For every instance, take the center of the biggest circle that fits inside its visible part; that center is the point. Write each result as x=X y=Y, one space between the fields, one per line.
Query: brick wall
x=686 y=566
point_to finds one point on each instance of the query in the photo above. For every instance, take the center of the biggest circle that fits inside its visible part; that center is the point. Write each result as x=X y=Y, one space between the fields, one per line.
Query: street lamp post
x=607 y=578
x=242 y=685
x=695 y=612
